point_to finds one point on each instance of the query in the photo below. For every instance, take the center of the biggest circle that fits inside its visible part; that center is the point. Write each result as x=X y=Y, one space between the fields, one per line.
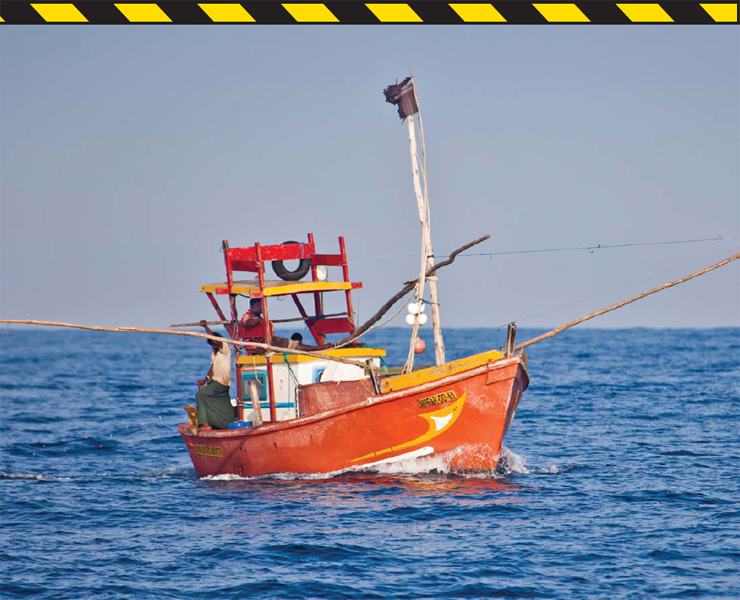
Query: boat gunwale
x=370 y=401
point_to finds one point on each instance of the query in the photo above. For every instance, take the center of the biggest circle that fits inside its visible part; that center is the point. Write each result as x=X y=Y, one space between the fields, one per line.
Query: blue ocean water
x=620 y=479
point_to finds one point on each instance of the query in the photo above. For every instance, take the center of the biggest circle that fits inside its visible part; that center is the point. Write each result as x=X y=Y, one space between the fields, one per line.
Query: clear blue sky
x=128 y=153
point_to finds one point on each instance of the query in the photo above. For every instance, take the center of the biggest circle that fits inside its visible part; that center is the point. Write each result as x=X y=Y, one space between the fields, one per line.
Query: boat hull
x=461 y=417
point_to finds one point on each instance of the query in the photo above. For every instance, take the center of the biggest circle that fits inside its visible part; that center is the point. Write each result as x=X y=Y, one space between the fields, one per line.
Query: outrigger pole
x=602 y=311
x=278 y=350
x=404 y=96
x=195 y=334
x=408 y=286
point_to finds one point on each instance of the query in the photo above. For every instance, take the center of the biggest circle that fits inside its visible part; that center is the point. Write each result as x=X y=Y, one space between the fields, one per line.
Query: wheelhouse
x=267 y=382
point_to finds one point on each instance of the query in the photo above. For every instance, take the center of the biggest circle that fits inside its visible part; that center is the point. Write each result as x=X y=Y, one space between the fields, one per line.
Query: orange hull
x=462 y=417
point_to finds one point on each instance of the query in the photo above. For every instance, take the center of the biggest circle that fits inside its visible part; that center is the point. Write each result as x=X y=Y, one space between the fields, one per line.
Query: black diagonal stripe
x=188 y=13
x=269 y=13
x=519 y=12
x=101 y=13
x=435 y=13
x=603 y=13
x=351 y=13
x=21 y=13
x=690 y=13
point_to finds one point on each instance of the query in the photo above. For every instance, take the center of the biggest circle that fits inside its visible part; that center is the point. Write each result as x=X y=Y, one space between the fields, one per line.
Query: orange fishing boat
x=338 y=410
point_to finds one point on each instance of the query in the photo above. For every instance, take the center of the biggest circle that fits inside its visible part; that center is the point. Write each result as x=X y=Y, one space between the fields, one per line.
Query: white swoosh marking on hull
x=440 y=422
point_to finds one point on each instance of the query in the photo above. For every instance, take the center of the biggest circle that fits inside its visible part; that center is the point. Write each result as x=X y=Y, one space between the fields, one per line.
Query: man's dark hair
x=297 y=337
x=211 y=342
x=254 y=301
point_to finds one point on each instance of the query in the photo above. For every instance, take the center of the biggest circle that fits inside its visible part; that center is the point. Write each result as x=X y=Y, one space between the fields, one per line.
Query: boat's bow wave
x=510 y=463
x=419 y=462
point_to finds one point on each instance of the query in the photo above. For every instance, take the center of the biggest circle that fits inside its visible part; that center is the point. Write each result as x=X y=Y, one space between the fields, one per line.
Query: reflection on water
x=358 y=489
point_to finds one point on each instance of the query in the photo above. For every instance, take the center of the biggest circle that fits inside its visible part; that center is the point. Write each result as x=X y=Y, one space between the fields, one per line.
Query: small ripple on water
x=72 y=446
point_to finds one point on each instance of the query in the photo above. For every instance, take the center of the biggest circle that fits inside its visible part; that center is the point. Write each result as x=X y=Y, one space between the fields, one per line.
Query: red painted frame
x=253 y=259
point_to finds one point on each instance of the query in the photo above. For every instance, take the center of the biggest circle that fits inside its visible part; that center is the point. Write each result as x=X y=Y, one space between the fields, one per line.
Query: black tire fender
x=303 y=268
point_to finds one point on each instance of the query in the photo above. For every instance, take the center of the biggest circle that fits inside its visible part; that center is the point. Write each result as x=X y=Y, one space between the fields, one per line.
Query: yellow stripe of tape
x=394 y=13
x=143 y=13
x=59 y=13
x=645 y=13
x=722 y=13
x=478 y=13
x=311 y=13
x=562 y=13
x=2 y=20
x=227 y=13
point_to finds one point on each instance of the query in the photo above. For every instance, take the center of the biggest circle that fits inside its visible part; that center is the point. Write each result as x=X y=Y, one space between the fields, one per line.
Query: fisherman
x=214 y=400
x=252 y=329
x=295 y=340
x=296 y=343
x=251 y=325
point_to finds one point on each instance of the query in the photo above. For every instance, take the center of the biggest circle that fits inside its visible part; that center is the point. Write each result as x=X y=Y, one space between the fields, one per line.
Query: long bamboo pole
x=408 y=286
x=439 y=345
x=602 y=311
x=265 y=347
x=293 y=320
x=427 y=260
x=425 y=238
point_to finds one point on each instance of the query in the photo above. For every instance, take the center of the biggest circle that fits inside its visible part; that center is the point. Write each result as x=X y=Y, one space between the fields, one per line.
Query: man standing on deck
x=214 y=400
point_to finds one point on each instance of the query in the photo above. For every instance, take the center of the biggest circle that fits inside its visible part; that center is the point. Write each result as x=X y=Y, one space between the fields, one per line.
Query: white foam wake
x=417 y=462
x=33 y=476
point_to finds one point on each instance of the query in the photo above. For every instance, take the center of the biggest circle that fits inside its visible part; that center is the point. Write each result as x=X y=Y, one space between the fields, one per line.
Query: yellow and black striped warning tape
x=356 y=13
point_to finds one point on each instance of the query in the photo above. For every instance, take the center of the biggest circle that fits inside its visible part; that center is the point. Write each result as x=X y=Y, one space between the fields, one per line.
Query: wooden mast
x=427 y=249
x=439 y=345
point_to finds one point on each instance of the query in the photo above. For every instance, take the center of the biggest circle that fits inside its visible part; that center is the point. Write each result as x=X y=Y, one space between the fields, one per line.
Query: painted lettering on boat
x=437 y=399
x=208 y=450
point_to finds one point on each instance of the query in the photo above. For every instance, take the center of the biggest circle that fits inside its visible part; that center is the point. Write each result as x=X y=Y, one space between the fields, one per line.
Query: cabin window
x=261 y=379
x=317 y=373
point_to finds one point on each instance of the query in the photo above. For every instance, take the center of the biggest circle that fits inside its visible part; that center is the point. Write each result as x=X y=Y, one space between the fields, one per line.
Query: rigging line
x=384 y=323
x=608 y=309
x=616 y=289
x=543 y=250
x=595 y=247
x=285 y=360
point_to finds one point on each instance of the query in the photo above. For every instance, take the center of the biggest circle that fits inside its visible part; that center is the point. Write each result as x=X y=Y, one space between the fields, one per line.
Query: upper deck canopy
x=255 y=258
x=252 y=289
